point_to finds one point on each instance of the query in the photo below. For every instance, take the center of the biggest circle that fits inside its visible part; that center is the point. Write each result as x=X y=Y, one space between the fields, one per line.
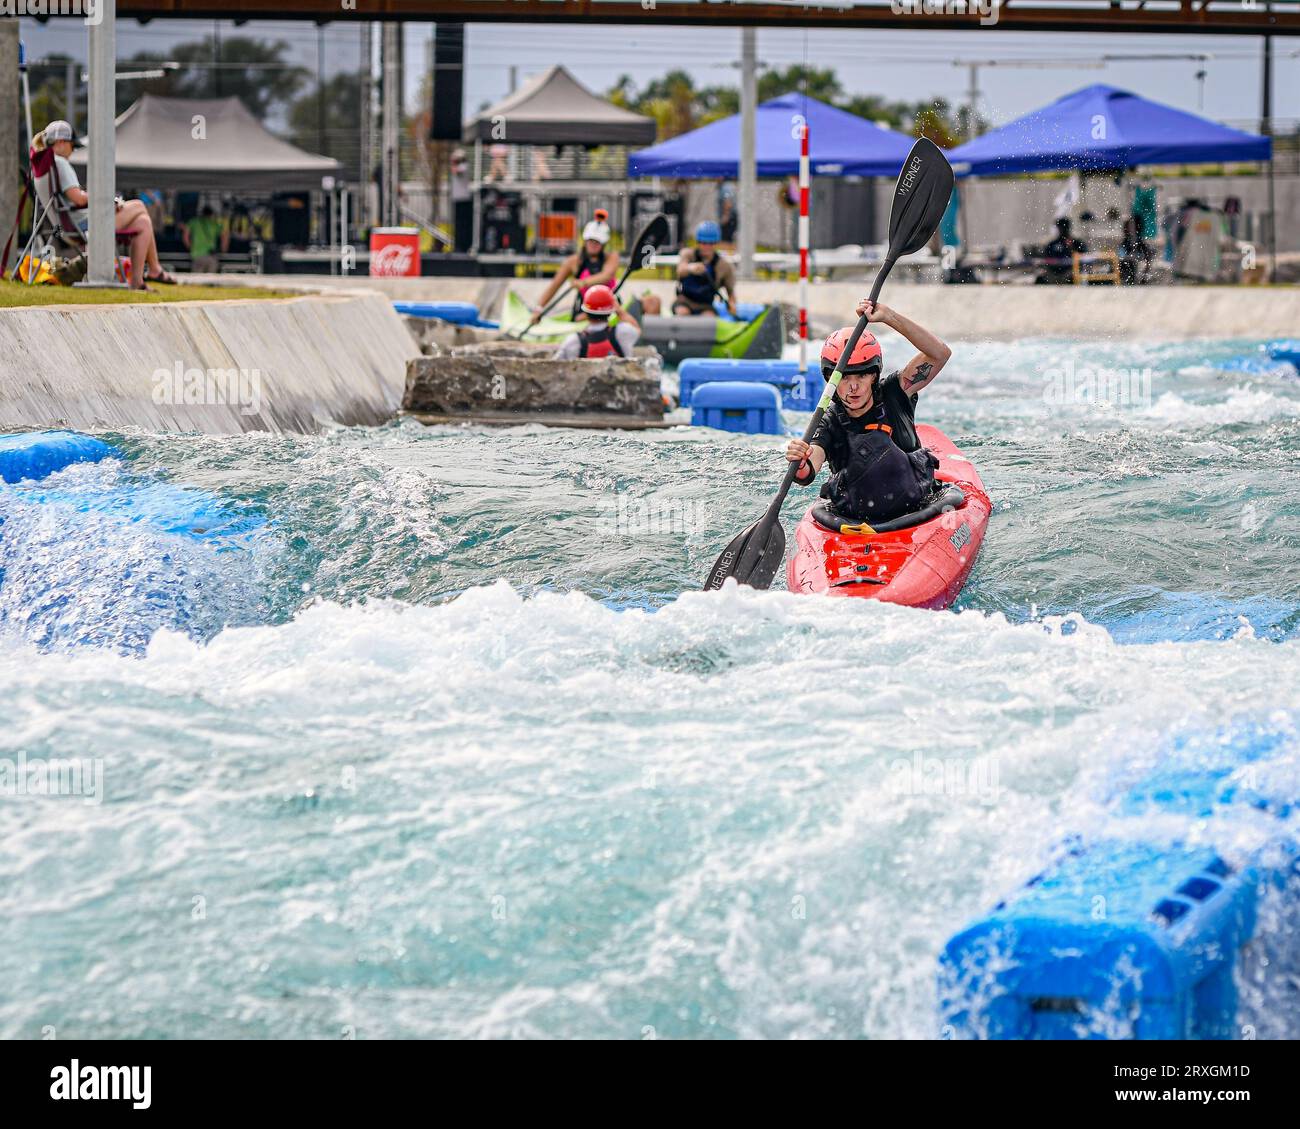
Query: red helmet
x=599 y=301
x=866 y=356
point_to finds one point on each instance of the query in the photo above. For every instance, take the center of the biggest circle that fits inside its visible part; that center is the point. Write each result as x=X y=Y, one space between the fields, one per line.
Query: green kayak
x=676 y=338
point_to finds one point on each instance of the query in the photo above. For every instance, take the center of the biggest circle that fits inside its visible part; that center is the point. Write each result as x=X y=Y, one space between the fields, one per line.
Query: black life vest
x=587 y=268
x=596 y=343
x=700 y=288
x=888 y=473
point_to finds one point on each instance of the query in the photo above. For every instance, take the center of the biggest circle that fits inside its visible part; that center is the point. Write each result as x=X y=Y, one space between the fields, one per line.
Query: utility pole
x=100 y=180
x=1266 y=128
x=70 y=97
x=365 y=160
x=746 y=202
x=10 y=147
x=320 y=88
x=391 y=125
x=973 y=95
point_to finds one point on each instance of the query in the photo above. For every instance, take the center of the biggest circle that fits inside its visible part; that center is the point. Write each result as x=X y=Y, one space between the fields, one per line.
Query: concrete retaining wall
x=293 y=364
x=1153 y=313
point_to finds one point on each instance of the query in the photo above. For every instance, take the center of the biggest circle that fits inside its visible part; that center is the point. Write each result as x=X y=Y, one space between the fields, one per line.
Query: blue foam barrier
x=798 y=393
x=1254 y=366
x=456 y=313
x=36 y=454
x=1288 y=351
x=1122 y=939
x=737 y=406
x=168 y=508
x=1117 y=940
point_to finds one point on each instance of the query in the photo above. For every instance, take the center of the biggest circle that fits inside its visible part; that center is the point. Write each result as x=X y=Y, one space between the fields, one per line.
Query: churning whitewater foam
x=421 y=732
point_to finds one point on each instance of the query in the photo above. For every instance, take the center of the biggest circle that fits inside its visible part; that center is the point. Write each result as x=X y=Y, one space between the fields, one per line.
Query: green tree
x=678 y=106
x=820 y=84
x=336 y=105
x=253 y=70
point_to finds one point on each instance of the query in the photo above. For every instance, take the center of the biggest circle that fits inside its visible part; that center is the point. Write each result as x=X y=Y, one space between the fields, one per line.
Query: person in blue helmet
x=702 y=273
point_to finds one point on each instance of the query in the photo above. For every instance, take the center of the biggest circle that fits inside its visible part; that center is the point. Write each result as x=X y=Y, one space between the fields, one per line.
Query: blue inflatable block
x=1118 y=940
x=798 y=393
x=1255 y=366
x=455 y=313
x=183 y=510
x=745 y=311
x=459 y=313
x=35 y=454
x=1288 y=351
x=738 y=406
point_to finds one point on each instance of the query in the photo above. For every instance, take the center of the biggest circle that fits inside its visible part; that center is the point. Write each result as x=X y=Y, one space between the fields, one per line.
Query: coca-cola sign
x=396 y=258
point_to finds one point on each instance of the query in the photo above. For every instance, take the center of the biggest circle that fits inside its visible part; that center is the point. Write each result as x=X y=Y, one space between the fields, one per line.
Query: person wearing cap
x=594 y=264
x=462 y=201
x=598 y=338
x=702 y=272
x=131 y=215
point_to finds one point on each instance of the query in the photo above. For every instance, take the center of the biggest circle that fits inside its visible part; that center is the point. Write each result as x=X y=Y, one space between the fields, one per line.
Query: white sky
x=904 y=64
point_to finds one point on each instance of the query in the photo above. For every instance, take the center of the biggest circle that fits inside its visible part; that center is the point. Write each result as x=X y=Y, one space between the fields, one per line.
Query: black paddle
x=654 y=235
x=920 y=198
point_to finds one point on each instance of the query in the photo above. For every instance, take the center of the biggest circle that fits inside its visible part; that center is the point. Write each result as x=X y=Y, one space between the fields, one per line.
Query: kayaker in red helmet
x=599 y=337
x=879 y=469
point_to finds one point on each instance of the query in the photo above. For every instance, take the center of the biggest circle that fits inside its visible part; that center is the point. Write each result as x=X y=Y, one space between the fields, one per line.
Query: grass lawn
x=19 y=294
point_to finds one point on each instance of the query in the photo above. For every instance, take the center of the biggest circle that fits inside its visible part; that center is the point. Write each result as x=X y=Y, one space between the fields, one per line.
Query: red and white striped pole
x=803 y=249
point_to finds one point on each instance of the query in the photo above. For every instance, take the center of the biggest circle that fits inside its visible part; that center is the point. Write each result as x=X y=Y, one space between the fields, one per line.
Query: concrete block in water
x=513 y=380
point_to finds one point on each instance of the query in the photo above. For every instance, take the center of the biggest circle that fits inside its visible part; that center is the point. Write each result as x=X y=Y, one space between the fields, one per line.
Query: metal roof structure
x=1252 y=17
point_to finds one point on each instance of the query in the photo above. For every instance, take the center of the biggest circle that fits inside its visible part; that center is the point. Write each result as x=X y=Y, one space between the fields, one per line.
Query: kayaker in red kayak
x=868 y=434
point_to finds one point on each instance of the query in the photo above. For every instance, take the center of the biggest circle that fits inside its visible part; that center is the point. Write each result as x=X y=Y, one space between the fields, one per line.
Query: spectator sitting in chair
x=1063 y=249
x=203 y=235
x=131 y=215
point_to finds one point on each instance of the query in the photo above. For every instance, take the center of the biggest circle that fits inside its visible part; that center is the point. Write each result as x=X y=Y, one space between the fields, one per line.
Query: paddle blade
x=760 y=562
x=652 y=238
x=920 y=198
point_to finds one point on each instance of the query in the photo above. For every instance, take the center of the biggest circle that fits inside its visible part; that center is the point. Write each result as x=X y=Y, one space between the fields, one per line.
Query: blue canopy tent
x=839 y=144
x=1100 y=127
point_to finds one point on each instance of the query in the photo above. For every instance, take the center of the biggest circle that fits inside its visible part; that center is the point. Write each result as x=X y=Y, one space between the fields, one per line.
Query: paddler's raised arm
x=932 y=356
x=567 y=268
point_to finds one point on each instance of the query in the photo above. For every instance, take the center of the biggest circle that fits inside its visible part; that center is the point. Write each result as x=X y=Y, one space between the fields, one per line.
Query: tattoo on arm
x=920 y=376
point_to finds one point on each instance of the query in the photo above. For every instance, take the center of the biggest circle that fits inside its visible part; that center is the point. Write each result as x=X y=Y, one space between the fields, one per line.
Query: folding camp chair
x=53 y=226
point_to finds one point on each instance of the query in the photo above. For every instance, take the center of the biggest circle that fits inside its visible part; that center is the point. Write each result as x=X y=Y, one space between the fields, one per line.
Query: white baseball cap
x=59 y=130
x=597 y=231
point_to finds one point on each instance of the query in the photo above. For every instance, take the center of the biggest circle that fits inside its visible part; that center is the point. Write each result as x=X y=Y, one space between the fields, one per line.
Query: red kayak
x=920 y=560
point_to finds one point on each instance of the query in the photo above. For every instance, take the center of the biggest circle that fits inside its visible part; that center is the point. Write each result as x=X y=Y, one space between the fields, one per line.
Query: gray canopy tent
x=192 y=144
x=552 y=108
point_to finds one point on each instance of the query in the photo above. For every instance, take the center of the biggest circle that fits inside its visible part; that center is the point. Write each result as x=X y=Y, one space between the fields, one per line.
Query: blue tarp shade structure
x=1100 y=127
x=839 y=144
